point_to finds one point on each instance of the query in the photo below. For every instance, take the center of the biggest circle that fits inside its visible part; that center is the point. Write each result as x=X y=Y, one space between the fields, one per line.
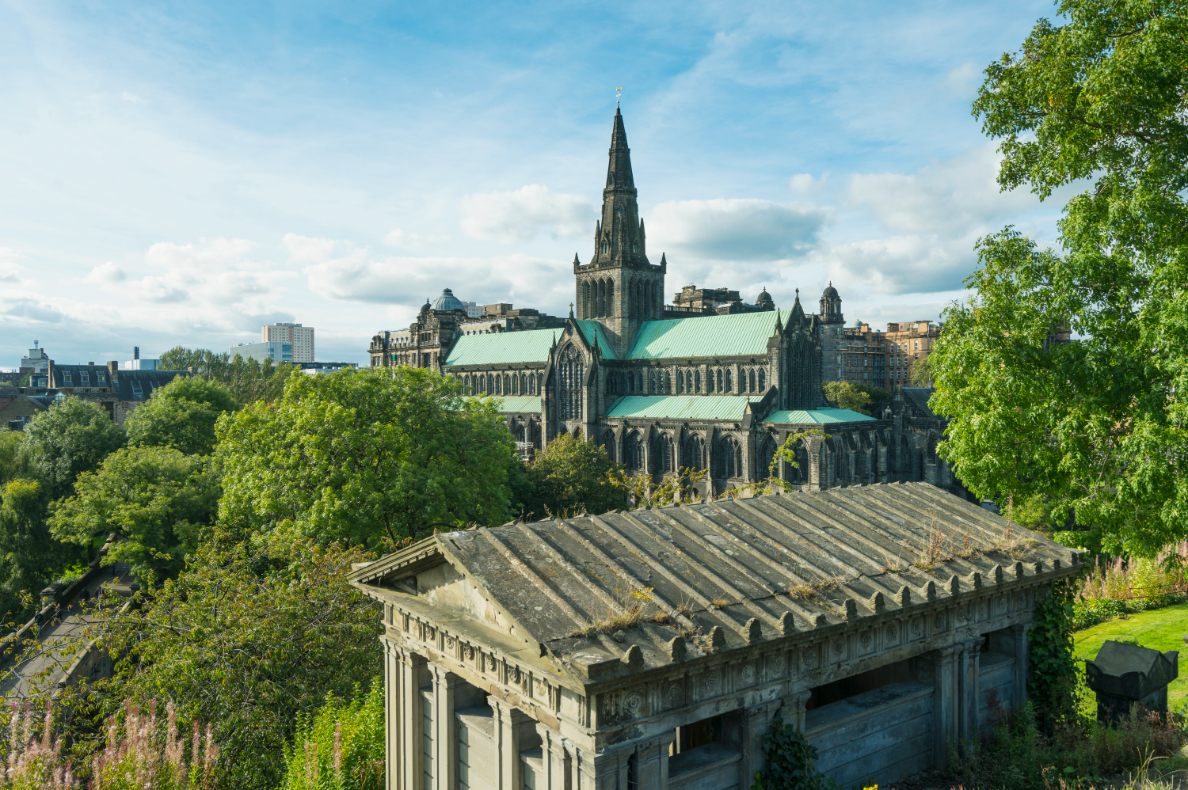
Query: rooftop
x=711 y=576
x=741 y=334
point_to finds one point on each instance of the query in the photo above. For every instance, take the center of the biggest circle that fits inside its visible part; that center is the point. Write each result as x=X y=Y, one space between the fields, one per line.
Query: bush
x=341 y=747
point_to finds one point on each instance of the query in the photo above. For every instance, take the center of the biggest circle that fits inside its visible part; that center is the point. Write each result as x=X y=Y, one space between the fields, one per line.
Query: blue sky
x=180 y=173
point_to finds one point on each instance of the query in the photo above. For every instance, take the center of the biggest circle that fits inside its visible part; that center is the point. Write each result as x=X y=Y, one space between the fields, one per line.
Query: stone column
x=508 y=721
x=412 y=720
x=794 y=707
x=755 y=723
x=1022 y=664
x=393 y=717
x=601 y=771
x=969 y=675
x=651 y=761
x=445 y=735
x=553 y=758
x=946 y=702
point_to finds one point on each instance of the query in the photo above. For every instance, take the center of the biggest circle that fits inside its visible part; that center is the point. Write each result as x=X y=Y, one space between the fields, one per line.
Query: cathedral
x=706 y=383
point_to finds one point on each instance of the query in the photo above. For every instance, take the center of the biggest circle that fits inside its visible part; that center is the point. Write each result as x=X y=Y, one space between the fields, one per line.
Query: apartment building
x=300 y=338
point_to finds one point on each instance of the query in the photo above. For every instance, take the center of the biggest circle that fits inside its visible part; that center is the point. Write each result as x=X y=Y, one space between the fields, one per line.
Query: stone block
x=1123 y=675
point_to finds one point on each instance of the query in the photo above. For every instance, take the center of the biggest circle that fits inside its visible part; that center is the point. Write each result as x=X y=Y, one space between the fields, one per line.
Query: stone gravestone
x=1123 y=675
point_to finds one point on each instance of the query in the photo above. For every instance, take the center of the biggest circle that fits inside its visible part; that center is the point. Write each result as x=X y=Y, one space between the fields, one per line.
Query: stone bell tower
x=619 y=288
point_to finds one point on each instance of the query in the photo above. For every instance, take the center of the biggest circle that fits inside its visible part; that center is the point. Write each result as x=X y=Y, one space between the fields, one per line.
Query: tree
x=847 y=396
x=156 y=499
x=251 y=637
x=365 y=456
x=1096 y=426
x=573 y=476
x=29 y=555
x=247 y=380
x=921 y=373
x=69 y=438
x=181 y=414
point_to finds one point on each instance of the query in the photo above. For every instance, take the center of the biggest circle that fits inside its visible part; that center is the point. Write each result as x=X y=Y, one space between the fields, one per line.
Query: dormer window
x=66 y=378
x=86 y=378
x=137 y=392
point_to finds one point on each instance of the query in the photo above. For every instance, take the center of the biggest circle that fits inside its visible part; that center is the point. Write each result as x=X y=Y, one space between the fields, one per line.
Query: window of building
x=729 y=458
x=634 y=452
x=569 y=396
x=693 y=453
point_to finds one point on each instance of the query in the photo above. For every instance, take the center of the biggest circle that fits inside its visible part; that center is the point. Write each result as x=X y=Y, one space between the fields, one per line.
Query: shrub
x=341 y=747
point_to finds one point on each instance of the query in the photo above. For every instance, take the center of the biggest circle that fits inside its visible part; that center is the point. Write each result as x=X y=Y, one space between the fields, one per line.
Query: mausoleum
x=653 y=648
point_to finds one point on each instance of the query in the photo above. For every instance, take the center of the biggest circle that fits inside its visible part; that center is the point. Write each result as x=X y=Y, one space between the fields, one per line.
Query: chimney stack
x=136 y=352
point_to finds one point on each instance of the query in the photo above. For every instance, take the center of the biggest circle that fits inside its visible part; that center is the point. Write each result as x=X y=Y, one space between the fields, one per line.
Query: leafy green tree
x=13 y=462
x=247 y=380
x=921 y=373
x=68 y=439
x=250 y=637
x=342 y=745
x=573 y=476
x=156 y=499
x=29 y=555
x=365 y=456
x=181 y=414
x=847 y=396
x=1097 y=425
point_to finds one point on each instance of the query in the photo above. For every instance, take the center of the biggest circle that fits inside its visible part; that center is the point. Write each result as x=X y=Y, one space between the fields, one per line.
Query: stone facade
x=505 y=667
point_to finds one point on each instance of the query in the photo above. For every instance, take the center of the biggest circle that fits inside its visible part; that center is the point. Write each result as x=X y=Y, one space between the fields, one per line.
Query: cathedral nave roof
x=741 y=334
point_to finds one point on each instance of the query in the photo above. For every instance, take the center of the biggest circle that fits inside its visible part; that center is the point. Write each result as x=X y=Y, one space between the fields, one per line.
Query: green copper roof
x=504 y=348
x=512 y=404
x=817 y=416
x=680 y=407
x=706 y=336
x=592 y=329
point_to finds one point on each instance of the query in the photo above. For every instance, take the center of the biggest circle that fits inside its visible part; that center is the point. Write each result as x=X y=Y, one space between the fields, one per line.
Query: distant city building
x=276 y=350
x=300 y=338
x=118 y=392
x=325 y=368
x=16 y=409
x=36 y=362
x=862 y=356
x=907 y=343
x=141 y=364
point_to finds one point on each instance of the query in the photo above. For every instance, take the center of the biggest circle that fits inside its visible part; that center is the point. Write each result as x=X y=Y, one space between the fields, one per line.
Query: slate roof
x=918 y=397
x=741 y=334
x=504 y=348
x=680 y=407
x=760 y=568
x=138 y=385
x=817 y=416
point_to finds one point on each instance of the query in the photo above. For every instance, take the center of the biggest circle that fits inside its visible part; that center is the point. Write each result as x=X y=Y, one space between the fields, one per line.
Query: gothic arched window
x=751 y=381
x=729 y=458
x=569 y=392
x=587 y=308
x=640 y=381
x=762 y=383
x=729 y=386
x=719 y=380
x=600 y=297
x=664 y=454
x=766 y=454
x=697 y=381
x=633 y=452
x=693 y=453
x=608 y=444
x=610 y=297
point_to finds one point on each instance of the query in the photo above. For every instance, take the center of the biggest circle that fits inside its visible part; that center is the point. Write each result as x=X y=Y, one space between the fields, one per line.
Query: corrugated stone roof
x=716 y=576
x=741 y=334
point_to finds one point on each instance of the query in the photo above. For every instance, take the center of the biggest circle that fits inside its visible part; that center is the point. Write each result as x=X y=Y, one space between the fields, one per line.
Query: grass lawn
x=1161 y=629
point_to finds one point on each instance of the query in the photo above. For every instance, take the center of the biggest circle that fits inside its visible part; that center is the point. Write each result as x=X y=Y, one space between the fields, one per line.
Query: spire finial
x=571 y=309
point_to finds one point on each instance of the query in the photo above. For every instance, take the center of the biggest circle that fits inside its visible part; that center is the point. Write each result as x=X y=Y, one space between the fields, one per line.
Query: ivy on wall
x=790 y=761
x=1052 y=675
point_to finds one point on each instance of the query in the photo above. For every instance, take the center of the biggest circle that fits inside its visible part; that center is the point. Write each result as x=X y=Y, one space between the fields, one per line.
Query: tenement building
x=653 y=648
x=707 y=383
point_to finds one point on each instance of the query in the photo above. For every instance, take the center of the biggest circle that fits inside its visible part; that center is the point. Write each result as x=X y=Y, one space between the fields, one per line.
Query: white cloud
x=131 y=97
x=905 y=264
x=306 y=249
x=28 y=307
x=739 y=230
x=401 y=238
x=807 y=183
x=964 y=79
x=107 y=274
x=411 y=280
x=945 y=197
x=522 y=215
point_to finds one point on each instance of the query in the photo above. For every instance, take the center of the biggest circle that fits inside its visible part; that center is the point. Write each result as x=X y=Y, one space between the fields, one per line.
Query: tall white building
x=301 y=338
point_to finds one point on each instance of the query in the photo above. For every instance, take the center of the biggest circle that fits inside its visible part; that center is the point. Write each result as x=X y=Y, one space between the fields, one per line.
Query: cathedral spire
x=618 y=172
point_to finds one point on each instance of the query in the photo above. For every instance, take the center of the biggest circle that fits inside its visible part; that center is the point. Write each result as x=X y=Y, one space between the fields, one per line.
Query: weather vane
x=618 y=93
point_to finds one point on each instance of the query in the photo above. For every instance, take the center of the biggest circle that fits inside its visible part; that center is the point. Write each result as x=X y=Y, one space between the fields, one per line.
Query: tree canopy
x=862 y=398
x=248 y=380
x=156 y=500
x=573 y=476
x=69 y=438
x=181 y=414
x=1095 y=426
x=365 y=456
